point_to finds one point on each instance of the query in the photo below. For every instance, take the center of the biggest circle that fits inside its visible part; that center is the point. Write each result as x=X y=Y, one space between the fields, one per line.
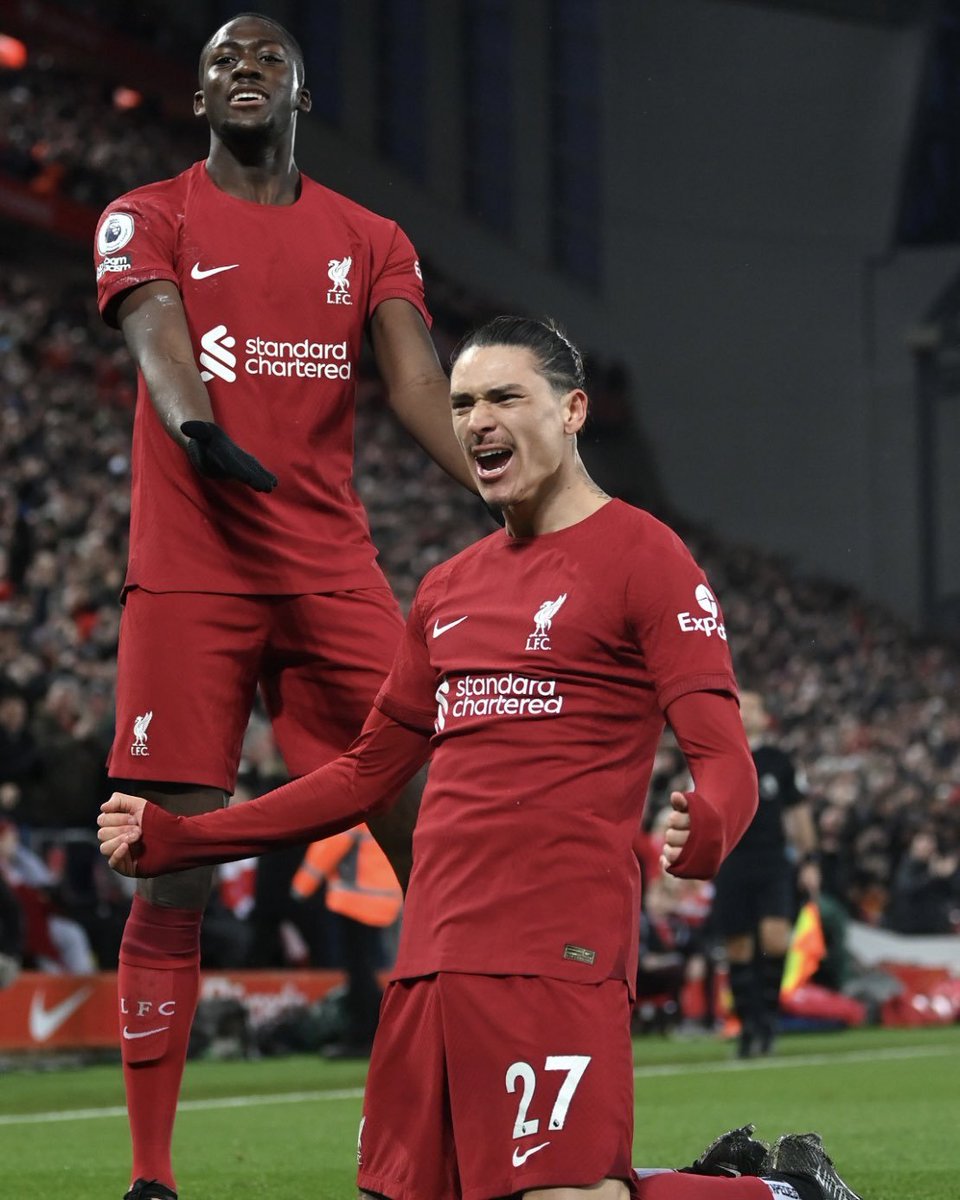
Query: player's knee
x=184 y=799
x=184 y=889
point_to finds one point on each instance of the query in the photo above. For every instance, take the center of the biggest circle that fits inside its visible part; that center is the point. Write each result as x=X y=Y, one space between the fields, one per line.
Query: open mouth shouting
x=491 y=463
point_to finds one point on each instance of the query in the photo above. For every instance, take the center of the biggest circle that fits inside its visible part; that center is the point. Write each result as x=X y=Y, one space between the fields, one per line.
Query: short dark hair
x=558 y=359
x=285 y=36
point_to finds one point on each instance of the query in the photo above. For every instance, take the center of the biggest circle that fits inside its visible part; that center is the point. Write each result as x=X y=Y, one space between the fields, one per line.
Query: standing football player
x=244 y=289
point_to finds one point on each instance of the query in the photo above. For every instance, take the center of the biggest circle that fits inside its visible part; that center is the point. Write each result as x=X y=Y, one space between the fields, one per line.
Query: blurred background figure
x=363 y=895
x=675 y=953
x=11 y=934
x=19 y=757
x=755 y=901
x=283 y=932
x=925 y=897
x=51 y=940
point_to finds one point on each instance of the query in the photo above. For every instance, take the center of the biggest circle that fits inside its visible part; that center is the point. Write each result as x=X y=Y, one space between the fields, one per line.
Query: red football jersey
x=276 y=299
x=558 y=655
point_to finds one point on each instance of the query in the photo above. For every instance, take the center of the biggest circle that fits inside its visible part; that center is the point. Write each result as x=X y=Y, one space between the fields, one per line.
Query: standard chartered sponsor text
x=303 y=360
x=505 y=696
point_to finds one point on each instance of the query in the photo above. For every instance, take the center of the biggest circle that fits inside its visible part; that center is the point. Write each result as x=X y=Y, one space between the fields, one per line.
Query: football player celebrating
x=243 y=289
x=537 y=668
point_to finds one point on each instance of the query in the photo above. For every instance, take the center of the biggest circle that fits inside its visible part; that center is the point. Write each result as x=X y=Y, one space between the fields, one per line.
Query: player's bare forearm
x=155 y=328
x=423 y=408
x=417 y=388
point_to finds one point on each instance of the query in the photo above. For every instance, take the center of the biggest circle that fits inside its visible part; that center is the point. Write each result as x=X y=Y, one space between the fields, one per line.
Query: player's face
x=517 y=431
x=251 y=86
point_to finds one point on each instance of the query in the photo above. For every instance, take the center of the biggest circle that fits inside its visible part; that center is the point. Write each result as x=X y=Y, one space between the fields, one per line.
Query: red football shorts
x=488 y=1086
x=189 y=664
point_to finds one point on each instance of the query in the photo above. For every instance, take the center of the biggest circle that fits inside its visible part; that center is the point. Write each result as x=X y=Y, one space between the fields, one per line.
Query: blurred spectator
x=72 y=781
x=19 y=757
x=62 y=133
x=11 y=934
x=673 y=951
x=925 y=897
x=52 y=941
x=832 y=838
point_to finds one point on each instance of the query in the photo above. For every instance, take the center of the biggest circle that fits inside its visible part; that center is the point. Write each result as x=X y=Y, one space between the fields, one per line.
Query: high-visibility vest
x=360 y=881
x=807 y=948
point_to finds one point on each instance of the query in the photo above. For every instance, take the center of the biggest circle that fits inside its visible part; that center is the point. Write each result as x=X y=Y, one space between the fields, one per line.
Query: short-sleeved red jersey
x=558 y=655
x=276 y=299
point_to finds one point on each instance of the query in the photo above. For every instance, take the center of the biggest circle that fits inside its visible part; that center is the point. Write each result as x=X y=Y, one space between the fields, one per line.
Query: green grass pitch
x=885 y=1100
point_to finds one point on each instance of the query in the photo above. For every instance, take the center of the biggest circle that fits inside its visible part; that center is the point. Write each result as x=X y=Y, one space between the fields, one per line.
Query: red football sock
x=672 y=1186
x=157 y=981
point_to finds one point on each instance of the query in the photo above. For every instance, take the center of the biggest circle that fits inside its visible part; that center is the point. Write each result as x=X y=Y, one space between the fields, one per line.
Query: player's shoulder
x=160 y=194
x=473 y=556
x=645 y=533
x=351 y=211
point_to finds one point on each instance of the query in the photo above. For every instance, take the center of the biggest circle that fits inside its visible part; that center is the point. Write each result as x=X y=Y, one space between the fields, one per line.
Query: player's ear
x=198 y=107
x=574 y=410
x=304 y=100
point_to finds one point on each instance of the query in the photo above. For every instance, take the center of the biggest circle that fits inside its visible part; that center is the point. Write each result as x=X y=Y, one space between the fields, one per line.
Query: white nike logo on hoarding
x=520 y=1158
x=44 y=1022
x=438 y=629
x=196 y=272
x=129 y=1035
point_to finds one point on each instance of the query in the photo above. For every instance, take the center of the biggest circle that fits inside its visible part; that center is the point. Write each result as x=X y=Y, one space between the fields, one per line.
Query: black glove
x=218 y=457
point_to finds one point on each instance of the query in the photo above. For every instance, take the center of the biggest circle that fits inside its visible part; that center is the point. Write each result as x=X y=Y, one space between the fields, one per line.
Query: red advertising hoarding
x=79 y=1012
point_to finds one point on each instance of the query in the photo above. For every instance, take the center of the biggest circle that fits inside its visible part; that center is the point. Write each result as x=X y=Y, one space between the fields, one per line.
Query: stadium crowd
x=83 y=138
x=863 y=707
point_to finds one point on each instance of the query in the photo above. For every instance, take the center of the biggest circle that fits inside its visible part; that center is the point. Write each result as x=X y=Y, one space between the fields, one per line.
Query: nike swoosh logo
x=439 y=629
x=130 y=1036
x=196 y=272
x=519 y=1159
x=44 y=1022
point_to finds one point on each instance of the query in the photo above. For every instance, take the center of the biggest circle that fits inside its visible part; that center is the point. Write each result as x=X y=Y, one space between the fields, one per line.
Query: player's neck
x=261 y=174
x=571 y=499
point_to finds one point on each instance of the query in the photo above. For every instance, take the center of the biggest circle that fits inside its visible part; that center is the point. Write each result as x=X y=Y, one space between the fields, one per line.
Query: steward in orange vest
x=360 y=882
x=364 y=896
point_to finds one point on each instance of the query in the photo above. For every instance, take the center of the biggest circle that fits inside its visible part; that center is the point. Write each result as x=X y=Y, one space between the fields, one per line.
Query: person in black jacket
x=926 y=887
